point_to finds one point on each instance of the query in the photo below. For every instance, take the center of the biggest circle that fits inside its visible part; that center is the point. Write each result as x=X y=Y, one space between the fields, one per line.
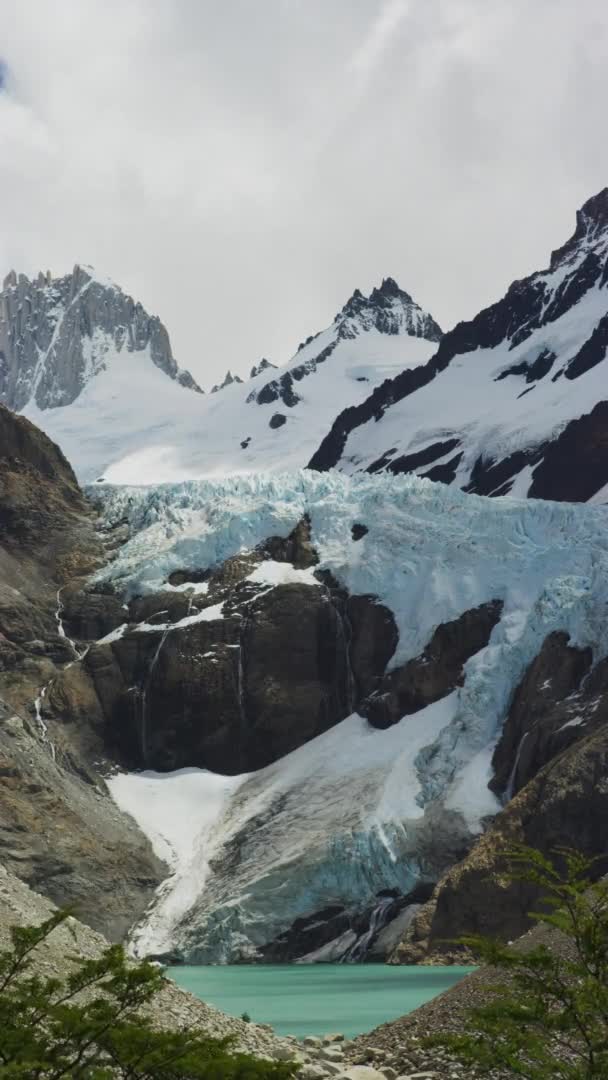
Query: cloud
x=241 y=167
x=378 y=37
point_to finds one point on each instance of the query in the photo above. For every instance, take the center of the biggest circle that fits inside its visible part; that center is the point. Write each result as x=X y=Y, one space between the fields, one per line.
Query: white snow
x=270 y=572
x=132 y=424
x=493 y=419
x=114 y=635
x=577 y=721
x=208 y=614
x=179 y=812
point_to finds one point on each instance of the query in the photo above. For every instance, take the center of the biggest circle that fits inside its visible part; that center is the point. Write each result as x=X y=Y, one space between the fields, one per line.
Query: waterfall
x=344 y=636
x=144 y=697
x=61 y=629
x=377 y=921
x=241 y=676
x=511 y=780
x=44 y=729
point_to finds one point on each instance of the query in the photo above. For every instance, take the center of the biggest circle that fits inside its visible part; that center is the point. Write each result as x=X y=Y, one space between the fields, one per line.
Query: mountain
x=58 y=334
x=512 y=402
x=271 y=713
x=273 y=421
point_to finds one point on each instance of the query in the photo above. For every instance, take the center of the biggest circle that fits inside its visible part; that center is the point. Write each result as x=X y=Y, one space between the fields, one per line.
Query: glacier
x=357 y=810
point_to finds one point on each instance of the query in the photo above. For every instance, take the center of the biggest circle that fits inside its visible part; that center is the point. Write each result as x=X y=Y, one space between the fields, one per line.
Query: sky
x=240 y=166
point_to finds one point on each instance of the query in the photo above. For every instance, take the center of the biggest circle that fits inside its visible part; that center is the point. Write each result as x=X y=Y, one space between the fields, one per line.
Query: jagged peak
x=264 y=365
x=389 y=309
x=389 y=289
x=56 y=335
x=229 y=379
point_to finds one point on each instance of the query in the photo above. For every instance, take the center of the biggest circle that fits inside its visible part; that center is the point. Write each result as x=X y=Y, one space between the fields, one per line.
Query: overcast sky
x=241 y=165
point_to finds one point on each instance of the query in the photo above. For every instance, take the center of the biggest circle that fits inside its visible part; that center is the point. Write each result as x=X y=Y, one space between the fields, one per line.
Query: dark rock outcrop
x=575 y=466
x=544 y=714
x=436 y=672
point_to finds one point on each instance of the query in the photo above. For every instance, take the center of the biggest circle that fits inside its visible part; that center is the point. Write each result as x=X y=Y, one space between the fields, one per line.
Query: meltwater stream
x=314 y=999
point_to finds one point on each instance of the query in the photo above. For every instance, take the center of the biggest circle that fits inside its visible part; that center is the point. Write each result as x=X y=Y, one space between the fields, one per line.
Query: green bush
x=549 y=1019
x=88 y=1025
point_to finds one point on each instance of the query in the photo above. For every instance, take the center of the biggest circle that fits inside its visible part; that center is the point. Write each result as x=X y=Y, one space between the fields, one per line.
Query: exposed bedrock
x=545 y=714
x=60 y=831
x=437 y=671
x=233 y=692
x=553 y=758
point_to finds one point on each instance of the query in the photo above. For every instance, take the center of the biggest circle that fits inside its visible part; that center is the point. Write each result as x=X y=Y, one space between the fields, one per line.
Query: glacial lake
x=315 y=999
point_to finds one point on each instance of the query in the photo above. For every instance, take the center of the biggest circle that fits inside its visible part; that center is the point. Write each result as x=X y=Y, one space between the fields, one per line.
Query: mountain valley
x=280 y=680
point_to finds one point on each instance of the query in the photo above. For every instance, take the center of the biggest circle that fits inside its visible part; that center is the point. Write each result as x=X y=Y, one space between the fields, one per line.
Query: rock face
x=241 y=676
x=552 y=757
x=546 y=712
x=431 y=419
x=59 y=830
x=437 y=671
x=56 y=334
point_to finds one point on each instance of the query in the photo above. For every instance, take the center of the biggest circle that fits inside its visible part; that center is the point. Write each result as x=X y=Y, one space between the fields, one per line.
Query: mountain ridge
x=555 y=324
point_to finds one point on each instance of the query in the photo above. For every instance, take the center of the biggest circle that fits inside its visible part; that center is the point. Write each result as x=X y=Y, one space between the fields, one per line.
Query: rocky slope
x=59 y=830
x=513 y=401
x=20 y=905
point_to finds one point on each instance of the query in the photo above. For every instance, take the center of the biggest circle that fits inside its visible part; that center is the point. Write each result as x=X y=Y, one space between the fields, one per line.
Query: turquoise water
x=314 y=999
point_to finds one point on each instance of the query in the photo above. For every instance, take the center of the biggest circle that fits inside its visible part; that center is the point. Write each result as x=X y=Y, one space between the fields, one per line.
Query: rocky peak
x=229 y=379
x=388 y=309
x=389 y=290
x=591 y=230
x=264 y=365
x=58 y=333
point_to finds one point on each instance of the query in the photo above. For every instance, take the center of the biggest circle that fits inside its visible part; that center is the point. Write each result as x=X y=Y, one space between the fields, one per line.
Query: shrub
x=549 y=1019
x=89 y=1025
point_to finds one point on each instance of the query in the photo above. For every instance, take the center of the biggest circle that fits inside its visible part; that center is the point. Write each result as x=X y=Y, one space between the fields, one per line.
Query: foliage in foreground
x=549 y=1019
x=89 y=1025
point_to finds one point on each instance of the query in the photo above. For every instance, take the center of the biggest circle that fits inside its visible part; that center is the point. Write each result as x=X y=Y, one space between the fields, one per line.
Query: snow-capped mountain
x=59 y=334
x=514 y=401
x=273 y=421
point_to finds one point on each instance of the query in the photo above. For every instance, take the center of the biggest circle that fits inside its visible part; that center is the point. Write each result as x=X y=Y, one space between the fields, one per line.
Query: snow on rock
x=270 y=572
x=502 y=388
x=359 y=810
